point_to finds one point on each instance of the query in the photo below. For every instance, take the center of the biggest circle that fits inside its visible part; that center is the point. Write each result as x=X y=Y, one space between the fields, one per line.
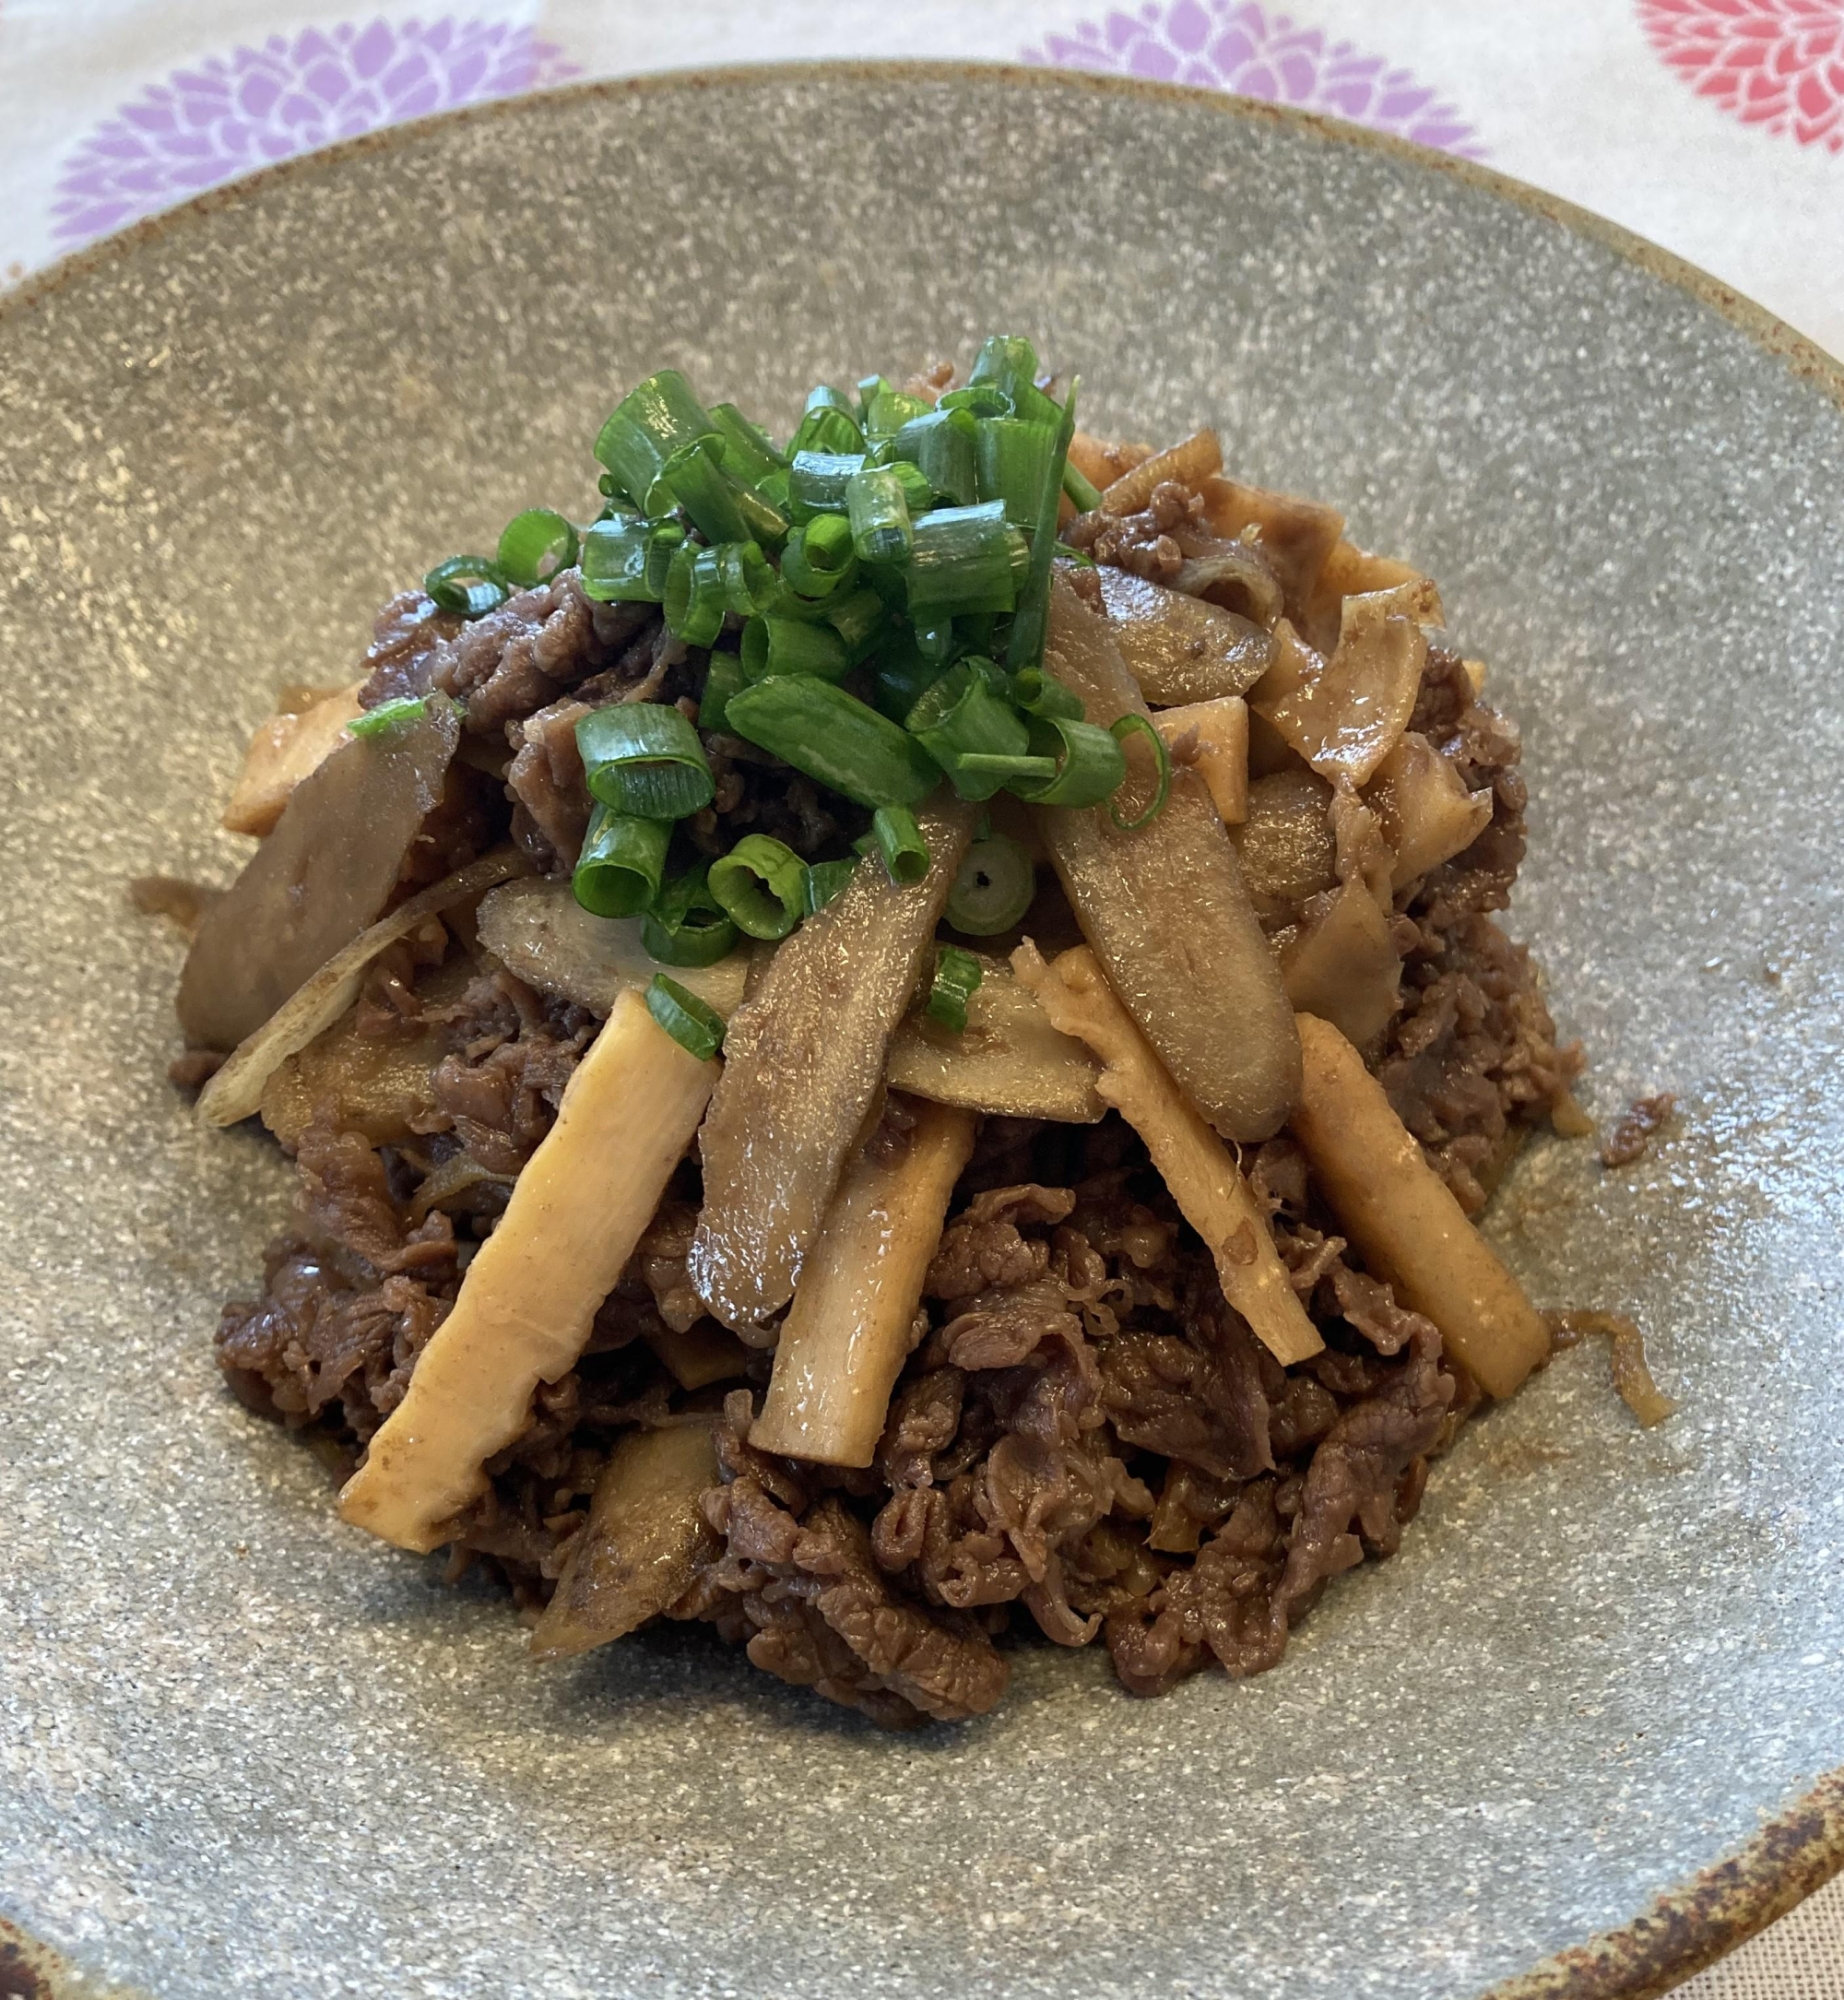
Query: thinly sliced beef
x=1085 y=1441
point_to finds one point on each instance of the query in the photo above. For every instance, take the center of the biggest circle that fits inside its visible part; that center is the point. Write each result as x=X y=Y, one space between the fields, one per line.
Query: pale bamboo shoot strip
x=642 y=1546
x=1399 y=1213
x=524 y=1312
x=1194 y=1163
x=1218 y=749
x=846 y=1335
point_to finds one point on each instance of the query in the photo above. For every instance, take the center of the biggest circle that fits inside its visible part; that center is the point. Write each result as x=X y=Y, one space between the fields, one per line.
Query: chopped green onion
x=791 y=646
x=469 y=585
x=994 y=887
x=1009 y=364
x=625 y=558
x=1005 y=360
x=622 y=861
x=748 y=453
x=860 y=619
x=1039 y=693
x=960 y=716
x=694 y=476
x=825 y=879
x=817 y=482
x=694 y=600
x=687 y=925
x=390 y=716
x=1013 y=456
x=765 y=518
x=750 y=585
x=829 y=425
x=962 y=561
x=878 y=512
x=941 y=447
x=647 y=426
x=900 y=845
x=761 y=885
x=870 y=387
x=1084 y=495
x=1085 y=763
x=903 y=672
x=644 y=758
x=723 y=679
x=1031 y=623
x=695 y=1026
x=936 y=639
x=1137 y=725
x=834 y=737
x=819 y=556
x=888 y=411
x=978 y=399
x=1080 y=557
x=534 y=546
x=957 y=979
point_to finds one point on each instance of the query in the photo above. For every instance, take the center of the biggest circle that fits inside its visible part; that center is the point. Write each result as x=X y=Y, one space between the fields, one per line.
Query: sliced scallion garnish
x=687 y=925
x=1084 y=495
x=646 y=427
x=792 y=646
x=957 y=979
x=941 y=447
x=747 y=452
x=695 y=1026
x=470 y=586
x=817 y=482
x=644 y=758
x=625 y=557
x=899 y=842
x=1086 y=765
x=722 y=679
x=390 y=716
x=750 y=585
x=623 y=858
x=963 y=561
x=834 y=737
x=859 y=618
x=877 y=510
x=1012 y=457
x=761 y=886
x=534 y=546
x=994 y=887
x=1039 y=693
x=1137 y=725
x=824 y=881
x=694 y=476
x=694 y=600
x=961 y=717
x=819 y=556
x=1031 y=623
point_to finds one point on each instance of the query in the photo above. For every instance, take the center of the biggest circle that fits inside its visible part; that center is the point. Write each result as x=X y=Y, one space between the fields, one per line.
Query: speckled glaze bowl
x=243 y=1750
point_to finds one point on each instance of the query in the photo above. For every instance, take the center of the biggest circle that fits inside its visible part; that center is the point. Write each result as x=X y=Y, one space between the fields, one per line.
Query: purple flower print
x=225 y=115
x=1230 y=46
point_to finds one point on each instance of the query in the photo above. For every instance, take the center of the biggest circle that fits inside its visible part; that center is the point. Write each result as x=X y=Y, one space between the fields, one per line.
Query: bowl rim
x=1802 y=1847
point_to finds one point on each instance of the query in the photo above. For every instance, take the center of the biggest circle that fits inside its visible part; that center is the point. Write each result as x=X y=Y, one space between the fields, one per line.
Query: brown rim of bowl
x=1801 y=1849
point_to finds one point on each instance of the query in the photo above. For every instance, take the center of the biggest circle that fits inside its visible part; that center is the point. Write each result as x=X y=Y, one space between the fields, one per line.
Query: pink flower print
x=1778 y=64
x=225 y=115
x=1231 y=45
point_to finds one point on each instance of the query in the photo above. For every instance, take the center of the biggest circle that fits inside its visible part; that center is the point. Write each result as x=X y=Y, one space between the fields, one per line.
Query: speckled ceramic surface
x=242 y=1750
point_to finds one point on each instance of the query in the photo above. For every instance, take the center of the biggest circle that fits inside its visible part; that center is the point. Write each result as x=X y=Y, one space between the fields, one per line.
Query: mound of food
x=895 y=1041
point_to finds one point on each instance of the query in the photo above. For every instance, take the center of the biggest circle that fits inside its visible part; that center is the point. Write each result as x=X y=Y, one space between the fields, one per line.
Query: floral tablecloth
x=1715 y=127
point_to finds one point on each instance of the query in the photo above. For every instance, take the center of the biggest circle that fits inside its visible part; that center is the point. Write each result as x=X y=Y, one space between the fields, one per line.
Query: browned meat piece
x=1629 y=1139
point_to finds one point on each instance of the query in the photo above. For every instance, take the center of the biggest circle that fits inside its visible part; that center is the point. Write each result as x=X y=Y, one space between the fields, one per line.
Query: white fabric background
x=114 y=107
